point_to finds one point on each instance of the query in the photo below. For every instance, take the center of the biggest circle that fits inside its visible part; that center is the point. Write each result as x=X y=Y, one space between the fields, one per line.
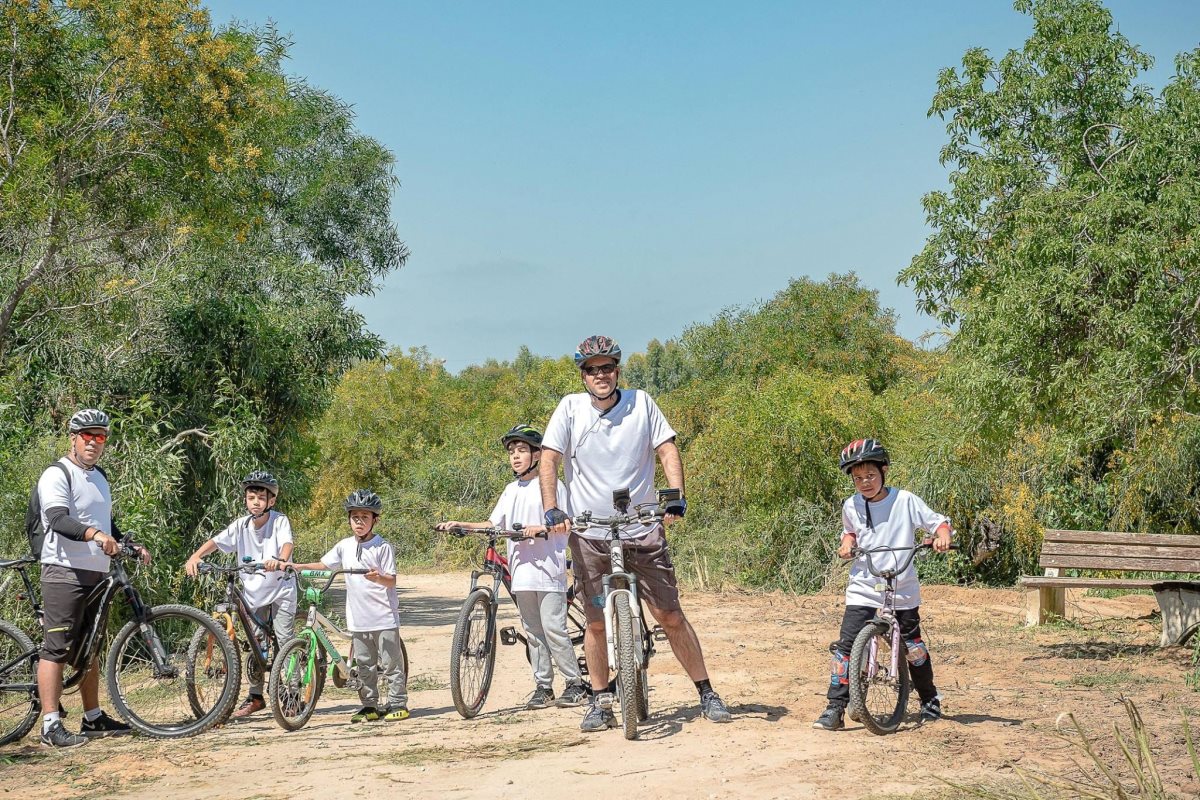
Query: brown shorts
x=648 y=559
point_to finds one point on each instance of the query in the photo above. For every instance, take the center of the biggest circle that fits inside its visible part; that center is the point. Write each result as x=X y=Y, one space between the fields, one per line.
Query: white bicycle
x=628 y=654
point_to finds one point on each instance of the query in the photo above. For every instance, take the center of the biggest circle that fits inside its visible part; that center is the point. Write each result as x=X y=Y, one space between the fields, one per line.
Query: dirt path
x=1004 y=686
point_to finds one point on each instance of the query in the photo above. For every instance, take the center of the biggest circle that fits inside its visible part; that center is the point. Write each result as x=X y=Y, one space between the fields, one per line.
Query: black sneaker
x=713 y=708
x=599 y=715
x=58 y=736
x=543 y=697
x=574 y=695
x=931 y=711
x=102 y=726
x=831 y=719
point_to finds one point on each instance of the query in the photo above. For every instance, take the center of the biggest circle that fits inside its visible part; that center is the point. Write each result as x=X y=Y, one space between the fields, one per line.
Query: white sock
x=49 y=720
x=92 y=714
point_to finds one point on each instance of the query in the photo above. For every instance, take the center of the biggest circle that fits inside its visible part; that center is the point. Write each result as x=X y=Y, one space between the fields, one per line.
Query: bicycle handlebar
x=329 y=574
x=251 y=566
x=912 y=553
x=516 y=534
x=644 y=514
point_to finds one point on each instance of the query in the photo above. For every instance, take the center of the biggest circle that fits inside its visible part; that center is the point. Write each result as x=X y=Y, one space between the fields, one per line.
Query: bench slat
x=1134 y=564
x=1121 y=550
x=1106 y=537
x=1037 y=582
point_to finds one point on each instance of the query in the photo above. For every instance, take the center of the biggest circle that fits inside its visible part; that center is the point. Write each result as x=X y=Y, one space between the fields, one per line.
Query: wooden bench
x=1119 y=552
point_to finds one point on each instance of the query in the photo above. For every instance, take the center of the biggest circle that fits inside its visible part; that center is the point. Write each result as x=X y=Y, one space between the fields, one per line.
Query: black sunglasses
x=602 y=369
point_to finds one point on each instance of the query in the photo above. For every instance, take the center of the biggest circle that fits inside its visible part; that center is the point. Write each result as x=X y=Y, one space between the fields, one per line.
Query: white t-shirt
x=369 y=606
x=894 y=522
x=538 y=565
x=88 y=500
x=261 y=544
x=606 y=452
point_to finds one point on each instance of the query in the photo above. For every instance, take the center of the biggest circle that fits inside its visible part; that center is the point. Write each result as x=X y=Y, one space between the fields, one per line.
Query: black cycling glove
x=555 y=516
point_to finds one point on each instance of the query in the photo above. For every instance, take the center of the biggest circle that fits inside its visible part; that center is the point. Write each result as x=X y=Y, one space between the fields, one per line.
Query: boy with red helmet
x=881 y=516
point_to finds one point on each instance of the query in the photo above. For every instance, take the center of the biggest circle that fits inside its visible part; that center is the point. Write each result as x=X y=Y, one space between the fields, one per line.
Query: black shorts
x=65 y=609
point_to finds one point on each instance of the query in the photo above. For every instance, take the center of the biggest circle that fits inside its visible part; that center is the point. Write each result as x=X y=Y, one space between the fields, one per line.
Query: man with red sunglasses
x=76 y=505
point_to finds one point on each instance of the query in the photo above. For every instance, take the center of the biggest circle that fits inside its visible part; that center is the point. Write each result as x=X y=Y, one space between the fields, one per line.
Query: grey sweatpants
x=544 y=615
x=283 y=619
x=378 y=653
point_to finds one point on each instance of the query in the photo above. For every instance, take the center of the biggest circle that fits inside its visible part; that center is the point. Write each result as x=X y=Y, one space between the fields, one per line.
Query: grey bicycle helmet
x=862 y=451
x=260 y=479
x=522 y=433
x=88 y=418
x=595 y=346
x=364 y=500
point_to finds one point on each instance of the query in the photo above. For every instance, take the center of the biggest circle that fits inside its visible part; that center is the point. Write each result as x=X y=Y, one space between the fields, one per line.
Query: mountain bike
x=879 y=679
x=628 y=654
x=298 y=676
x=259 y=644
x=473 y=648
x=147 y=672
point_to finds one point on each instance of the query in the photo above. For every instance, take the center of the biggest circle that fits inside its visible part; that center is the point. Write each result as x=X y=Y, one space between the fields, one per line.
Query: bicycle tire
x=627 y=666
x=202 y=664
x=295 y=689
x=19 y=709
x=878 y=700
x=127 y=677
x=472 y=659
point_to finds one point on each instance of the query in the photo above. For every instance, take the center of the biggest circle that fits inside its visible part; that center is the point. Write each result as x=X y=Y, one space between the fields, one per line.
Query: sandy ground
x=1005 y=686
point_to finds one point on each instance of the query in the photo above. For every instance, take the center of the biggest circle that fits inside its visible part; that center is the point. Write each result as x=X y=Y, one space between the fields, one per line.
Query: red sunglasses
x=99 y=438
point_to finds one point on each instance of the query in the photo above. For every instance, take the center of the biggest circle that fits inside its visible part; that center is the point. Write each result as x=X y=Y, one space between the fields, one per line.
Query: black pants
x=853 y=621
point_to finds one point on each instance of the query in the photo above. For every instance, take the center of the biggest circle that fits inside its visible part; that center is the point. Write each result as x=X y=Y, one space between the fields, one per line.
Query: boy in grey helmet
x=372 y=611
x=262 y=535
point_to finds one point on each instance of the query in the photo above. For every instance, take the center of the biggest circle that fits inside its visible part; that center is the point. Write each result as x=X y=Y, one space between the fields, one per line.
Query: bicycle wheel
x=627 y=667
x=205 y=665
x=18 y=704
x=473 y=654
x=297 y=679
x=150 y=680
x=878 y=694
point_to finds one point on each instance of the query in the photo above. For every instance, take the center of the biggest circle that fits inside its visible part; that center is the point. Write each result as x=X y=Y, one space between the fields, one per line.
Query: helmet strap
x=521 y=475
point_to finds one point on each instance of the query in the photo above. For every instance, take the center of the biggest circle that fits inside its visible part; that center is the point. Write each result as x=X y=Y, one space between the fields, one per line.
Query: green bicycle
x=298 y=675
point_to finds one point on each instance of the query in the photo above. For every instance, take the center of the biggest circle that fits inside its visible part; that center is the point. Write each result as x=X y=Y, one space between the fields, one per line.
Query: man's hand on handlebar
x=557 y=521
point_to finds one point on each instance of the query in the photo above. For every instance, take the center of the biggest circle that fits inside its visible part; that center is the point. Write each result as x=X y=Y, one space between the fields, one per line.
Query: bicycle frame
x=88 y=647
x=248 y=619
x=616 y=554
x=887 y=613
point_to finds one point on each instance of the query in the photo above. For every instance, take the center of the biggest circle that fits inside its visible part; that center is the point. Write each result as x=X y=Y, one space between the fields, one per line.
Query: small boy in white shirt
x=539 y=572
x=372 y=611
x=880 y=516
x=262 y=535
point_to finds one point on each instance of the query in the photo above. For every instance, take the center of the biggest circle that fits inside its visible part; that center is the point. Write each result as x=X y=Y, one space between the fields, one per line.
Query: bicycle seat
x=18 y=562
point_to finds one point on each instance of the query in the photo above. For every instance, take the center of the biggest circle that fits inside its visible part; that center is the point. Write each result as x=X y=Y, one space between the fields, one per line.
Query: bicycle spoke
x=17 y=711
x=162 y=680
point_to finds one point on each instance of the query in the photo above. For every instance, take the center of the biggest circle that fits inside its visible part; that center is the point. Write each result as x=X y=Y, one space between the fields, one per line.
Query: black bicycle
x=473 y=648
x=147 y=672
x=259 y=644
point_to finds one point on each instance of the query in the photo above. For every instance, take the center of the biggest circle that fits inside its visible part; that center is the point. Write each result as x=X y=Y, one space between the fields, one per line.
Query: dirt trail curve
x=1004 y=688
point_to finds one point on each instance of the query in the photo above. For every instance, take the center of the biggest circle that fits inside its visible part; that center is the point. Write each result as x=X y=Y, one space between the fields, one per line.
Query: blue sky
x=633 y=168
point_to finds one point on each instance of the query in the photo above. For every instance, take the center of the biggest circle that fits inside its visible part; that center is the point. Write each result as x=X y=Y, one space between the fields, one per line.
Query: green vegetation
x=182 y=224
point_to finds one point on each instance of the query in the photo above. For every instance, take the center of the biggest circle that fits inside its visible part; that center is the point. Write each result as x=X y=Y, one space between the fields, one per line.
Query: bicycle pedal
x=658 y=634
x=508 y=635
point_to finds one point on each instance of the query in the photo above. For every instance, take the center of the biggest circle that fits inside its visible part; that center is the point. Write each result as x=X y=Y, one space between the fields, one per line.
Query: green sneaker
x=365 y=714
x=395 y=714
